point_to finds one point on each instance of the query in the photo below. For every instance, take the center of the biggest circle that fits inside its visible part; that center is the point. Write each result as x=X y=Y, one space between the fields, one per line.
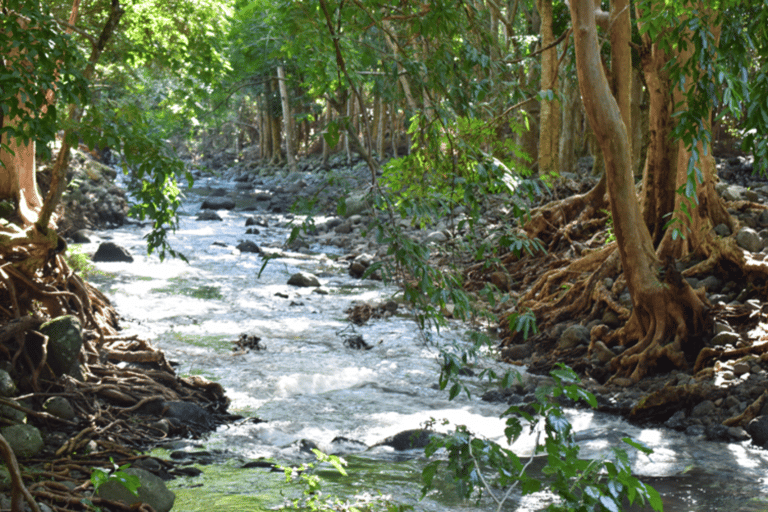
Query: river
x=308 y=386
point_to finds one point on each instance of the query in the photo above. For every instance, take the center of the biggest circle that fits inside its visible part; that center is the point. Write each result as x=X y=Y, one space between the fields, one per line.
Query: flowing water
x=308 y=386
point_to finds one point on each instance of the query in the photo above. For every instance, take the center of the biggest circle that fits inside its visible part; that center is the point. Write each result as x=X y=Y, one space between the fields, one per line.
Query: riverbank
x=723 y=401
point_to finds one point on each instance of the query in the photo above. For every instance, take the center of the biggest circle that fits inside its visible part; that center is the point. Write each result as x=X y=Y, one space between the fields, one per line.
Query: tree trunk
x=658 y=195
x=286 y=120
x=660 y=308
x=549 y=131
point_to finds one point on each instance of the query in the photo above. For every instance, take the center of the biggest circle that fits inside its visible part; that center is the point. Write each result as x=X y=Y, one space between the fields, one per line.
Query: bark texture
x=665 y=309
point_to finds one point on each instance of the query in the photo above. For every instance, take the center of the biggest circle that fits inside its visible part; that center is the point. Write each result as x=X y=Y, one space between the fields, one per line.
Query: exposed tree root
x=547 y=221
x=106 y=399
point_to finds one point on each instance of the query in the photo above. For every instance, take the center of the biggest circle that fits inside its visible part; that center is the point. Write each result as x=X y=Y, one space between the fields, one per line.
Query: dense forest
x=447 y=104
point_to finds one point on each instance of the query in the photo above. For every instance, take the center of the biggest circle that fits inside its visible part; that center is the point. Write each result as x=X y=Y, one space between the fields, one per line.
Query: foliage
x=79 y=262
x=39 y=57
x=314 y=499
x=99 y=477
x=480 y=466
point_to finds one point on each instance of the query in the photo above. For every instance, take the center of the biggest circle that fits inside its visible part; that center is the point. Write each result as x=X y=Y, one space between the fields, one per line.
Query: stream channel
x=307 y=385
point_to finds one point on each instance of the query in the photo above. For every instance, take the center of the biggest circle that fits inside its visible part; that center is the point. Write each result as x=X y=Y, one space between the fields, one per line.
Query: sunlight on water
x=308 y=385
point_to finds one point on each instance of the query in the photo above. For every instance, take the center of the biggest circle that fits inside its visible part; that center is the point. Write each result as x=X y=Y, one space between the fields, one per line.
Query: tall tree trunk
x=549 y=131
x=661 y=309
x=658 y=195
x=286 y=120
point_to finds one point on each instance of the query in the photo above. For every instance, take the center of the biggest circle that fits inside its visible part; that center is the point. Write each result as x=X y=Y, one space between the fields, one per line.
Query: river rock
x=303 y=279
x=749 y=240
x=12 y=414
x=758 y=429
x=152 y=491
x=83 y=236
x=357 y=204
x=705 y=408
x=180 y=413
x=65 y=338
x=573 y=336
x=248 y=246
x=218 y=203
x=110 y=252
x=60 y=407
x=436 y=237
x=725 y=338
x=208 y=215
x=408 y=439
x=25 y=440
x=7 y=386
x=722 y=230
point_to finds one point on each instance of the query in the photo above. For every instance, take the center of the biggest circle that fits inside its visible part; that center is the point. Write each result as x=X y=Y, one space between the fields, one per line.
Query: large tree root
x=106 y=401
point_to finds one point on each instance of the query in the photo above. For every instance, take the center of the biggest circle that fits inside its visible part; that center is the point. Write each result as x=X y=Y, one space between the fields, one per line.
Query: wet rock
x=7 y=386
x=181 y=413
x=749 y=240
x=248 y=246
x=208 y=215
x=248 y=342
x=676 y=421
x=357 y=342
x=218 y=203
x=758 y=429
x=343 y=445
x=695 y=430
x=12 y=414
x=573 y=336
x=25 y=440
x=111 y=252
x=256 y=221
x=83 y=236
x=408 y=439
x=152 y=491
x=60 y=407
x=303 y=279
x=65 y=338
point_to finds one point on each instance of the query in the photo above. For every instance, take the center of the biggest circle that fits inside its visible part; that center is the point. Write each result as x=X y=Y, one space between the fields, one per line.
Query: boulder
x=83 y=236
x=248 y=246
x=65 y=338
x=408 y=439
x=110 y=252
x=218 y=203
x=303 y=279
x=25 y=440
x=749 y=240
x=180 y=413
x=758 y=429
x=152 y=491
x=208 y=215
x=60 y=407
